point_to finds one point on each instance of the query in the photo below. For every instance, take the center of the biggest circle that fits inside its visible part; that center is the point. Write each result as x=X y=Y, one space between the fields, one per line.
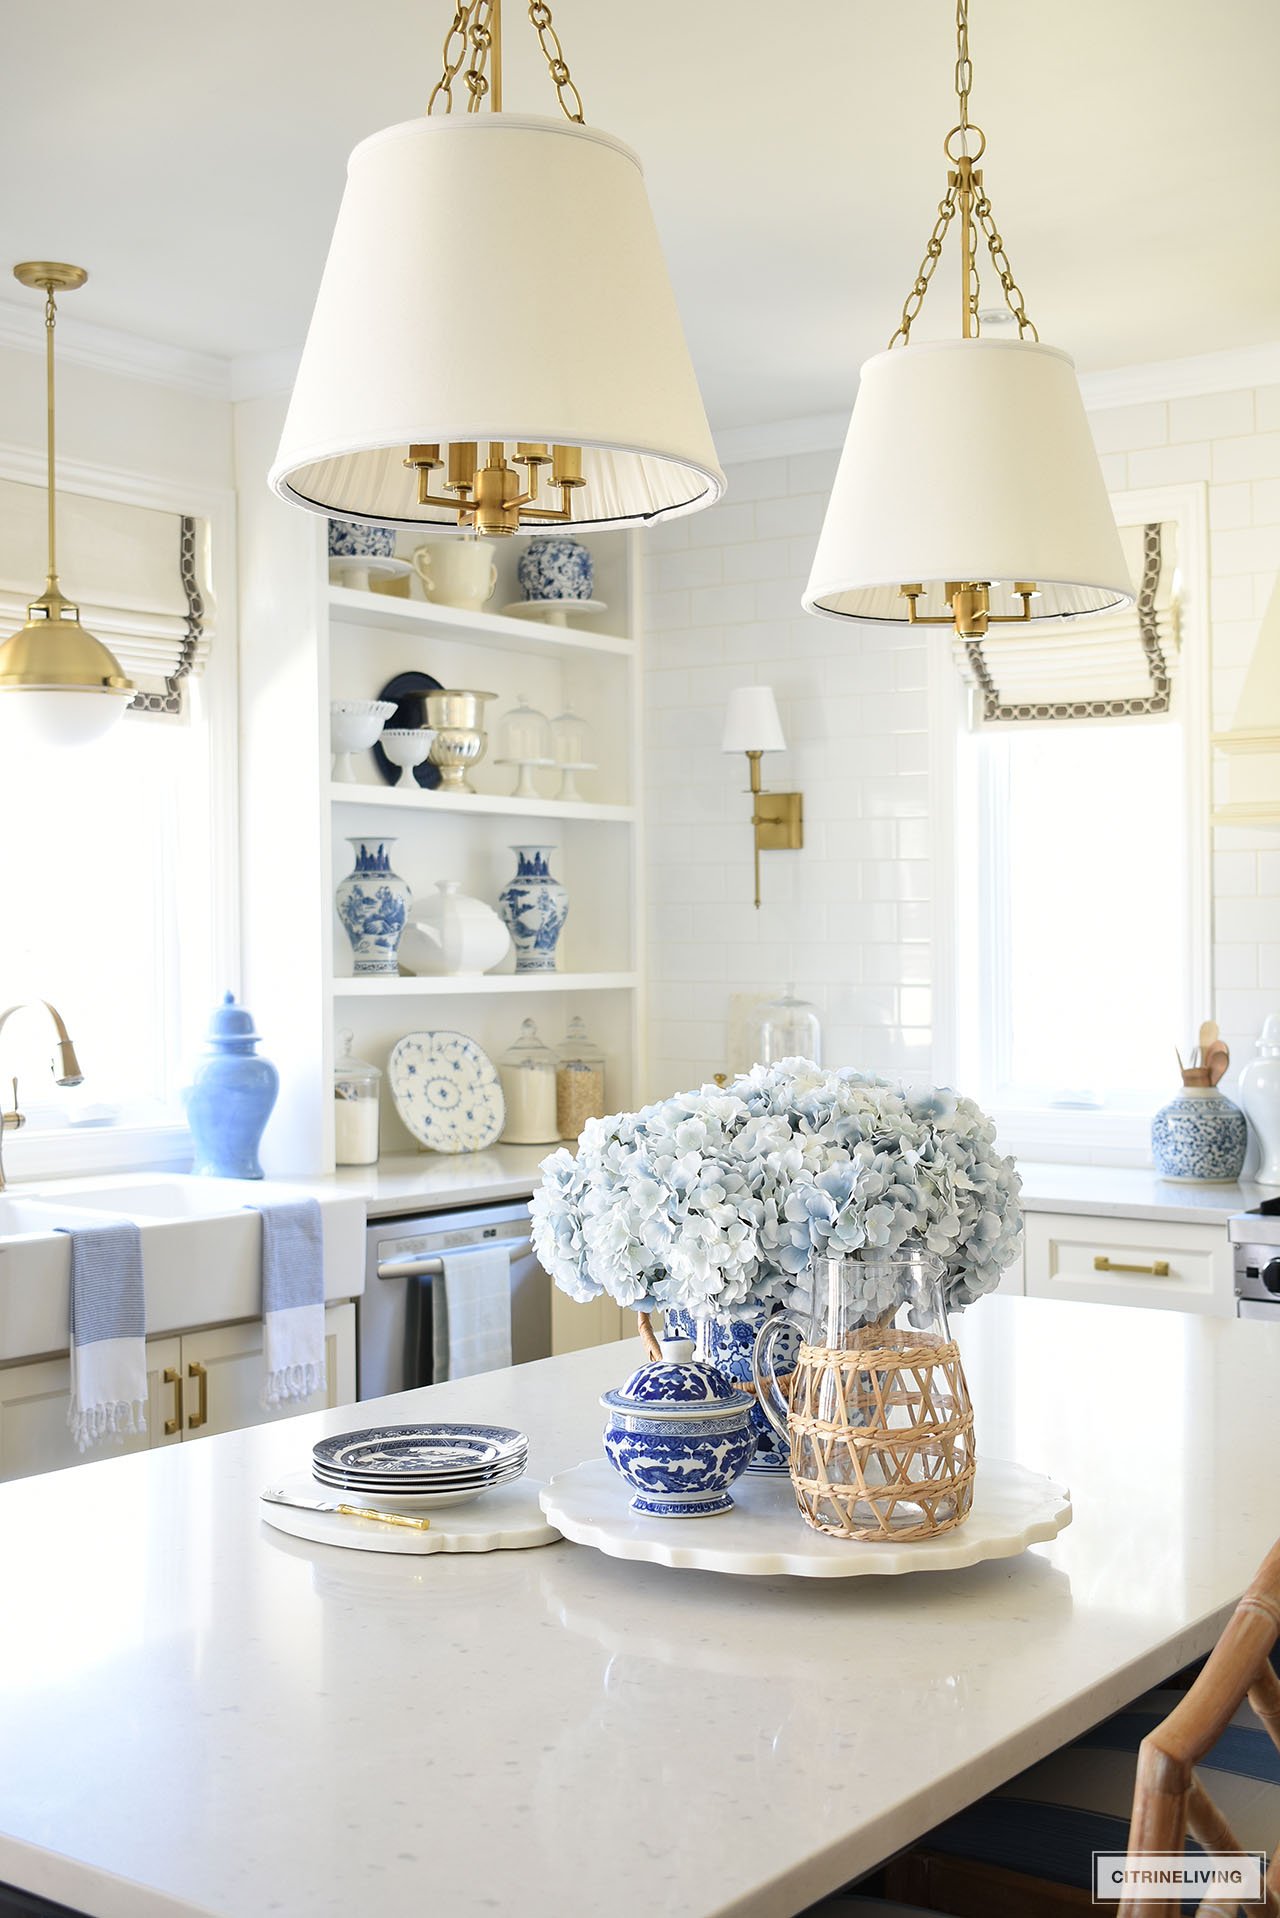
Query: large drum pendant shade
x=968 y=460
x=495 y=278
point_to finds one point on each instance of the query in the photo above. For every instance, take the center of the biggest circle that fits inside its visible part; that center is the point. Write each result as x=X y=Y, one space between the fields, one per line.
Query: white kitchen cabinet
x=197 y=1384
x=223 y=1370
x=574 y=1326
x=1174 y=1266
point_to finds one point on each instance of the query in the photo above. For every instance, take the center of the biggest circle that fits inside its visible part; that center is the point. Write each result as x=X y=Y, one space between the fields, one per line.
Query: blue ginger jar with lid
x=555 y=567
x=231 y=1096
x=679 y=1434
x=1200 y=1135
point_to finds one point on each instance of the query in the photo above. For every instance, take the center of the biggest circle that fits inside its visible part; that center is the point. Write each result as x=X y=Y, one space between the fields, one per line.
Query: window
x=114 y=862
x=1079 y=865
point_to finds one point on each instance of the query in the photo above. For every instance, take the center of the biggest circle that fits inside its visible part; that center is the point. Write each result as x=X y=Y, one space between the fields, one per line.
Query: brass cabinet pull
x=173 y=1378
x=201 y=1414
x=1158 y=1268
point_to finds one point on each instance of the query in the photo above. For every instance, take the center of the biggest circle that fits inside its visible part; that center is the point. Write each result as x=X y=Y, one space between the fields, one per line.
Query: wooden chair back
x=1168 y=1799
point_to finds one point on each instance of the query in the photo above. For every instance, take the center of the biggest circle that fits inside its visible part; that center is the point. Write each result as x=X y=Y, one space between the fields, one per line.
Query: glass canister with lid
x=579 y=1080
x=528 y=1073
x=356 y=1089
x=788 y=1028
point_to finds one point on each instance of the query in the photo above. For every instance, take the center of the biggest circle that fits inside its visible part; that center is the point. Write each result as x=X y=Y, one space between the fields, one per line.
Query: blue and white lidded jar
x=372 y=902
x=350 y=540
x=556 y=567
x=230 y=1097
x=1200 y=1135
x=679 y=1434
x=535 y=906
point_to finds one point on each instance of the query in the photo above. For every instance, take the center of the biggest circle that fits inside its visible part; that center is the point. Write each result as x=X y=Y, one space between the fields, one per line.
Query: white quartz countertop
x=426 y=1181
x=205 y=1717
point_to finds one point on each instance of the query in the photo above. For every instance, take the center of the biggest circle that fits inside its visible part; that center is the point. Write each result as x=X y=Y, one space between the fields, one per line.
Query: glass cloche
x=528 y=1074
x=524 y=734
x=787 y=1028
x=356 y=1089
x=571 y=736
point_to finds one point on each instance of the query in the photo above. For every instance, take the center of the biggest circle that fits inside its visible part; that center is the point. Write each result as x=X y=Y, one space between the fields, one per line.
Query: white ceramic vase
x=449 y=932
x=1260 y=1097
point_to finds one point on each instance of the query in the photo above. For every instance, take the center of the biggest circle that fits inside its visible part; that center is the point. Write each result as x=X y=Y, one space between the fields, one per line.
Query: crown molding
x=81 y=343
x=256 y=376
x=1226 y=372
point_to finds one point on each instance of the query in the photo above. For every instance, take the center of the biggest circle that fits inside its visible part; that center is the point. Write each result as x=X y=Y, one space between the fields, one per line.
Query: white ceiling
x=194 y=156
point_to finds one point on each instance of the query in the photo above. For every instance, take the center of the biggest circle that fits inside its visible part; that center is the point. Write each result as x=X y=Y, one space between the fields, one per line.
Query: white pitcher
x=457 y=572
x=1260 y=1097
x=452 y=933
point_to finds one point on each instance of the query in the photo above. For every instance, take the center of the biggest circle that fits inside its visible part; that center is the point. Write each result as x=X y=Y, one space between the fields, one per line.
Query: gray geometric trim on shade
x=170 y=700
x=1156 y=701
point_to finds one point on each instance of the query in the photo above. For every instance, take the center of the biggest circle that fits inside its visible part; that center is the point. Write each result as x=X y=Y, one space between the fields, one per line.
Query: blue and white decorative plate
x=420 y=1451
x=447 y=1091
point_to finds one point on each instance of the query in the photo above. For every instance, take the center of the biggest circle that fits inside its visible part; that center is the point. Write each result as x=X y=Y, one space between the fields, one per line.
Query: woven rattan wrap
x=882 y=1437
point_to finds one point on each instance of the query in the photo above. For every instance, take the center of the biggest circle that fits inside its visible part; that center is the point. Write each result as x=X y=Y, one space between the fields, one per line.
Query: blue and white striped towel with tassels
x=292 y=1299
x=108 y=1333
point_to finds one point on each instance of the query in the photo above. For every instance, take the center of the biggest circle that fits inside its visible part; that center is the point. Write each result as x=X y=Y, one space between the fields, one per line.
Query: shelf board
x=414 y=799
x=415 y=616
x=1247 y=813
x=456 y=987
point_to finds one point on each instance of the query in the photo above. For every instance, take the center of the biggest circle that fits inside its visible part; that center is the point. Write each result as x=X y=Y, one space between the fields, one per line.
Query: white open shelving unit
x=305 y=642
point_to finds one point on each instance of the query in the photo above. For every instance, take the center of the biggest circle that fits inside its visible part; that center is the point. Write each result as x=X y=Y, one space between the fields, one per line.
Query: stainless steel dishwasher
x=402 y=1265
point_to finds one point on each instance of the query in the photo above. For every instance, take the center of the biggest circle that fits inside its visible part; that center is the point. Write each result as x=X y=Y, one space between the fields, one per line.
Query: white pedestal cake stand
x=765 y=1537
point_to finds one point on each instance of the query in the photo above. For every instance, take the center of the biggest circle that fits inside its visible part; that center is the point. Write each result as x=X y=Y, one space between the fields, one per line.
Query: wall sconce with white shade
x=969 y=493
x=456 y=373
x=752 y=726
x=72 y=687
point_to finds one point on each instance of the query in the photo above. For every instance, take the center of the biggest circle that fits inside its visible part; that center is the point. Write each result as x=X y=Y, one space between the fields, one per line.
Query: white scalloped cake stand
x=765 y=1537
x=504 y=1520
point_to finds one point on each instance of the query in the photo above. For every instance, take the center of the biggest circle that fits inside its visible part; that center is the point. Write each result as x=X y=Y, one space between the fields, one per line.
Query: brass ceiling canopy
x=52 y=652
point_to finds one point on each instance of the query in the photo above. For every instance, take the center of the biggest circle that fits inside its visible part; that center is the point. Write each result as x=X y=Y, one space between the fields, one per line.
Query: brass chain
x=480 y=35
x=932 y=254
x=964 y=65
x=558 y=67
x=456 y=37
x=1000 y=260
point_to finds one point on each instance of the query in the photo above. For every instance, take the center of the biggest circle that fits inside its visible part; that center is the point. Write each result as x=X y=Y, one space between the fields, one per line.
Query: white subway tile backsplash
x=1235 y=920
x=1269 y=874
x=1269 y=969
x=1235 y=965
x=695 y=566
x=1121 y=429
x=1267 y=409
x=1264 y=500
x=725 y=525
x=758 y=559
x=722 y=605
x=1232 y=505
x=794 y=516
x=1170 y=465
x=1255 y=457
x=1235 y=875
x=1241 y=549
x=812 y=472
x=1211 y=416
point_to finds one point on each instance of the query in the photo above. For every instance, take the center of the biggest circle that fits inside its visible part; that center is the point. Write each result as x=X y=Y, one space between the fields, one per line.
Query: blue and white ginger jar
x=372 y=902
x=555 y=567
x=1199 y=1135
x=349 y=540
x=534 y=906
x=727 y=1341
x=230 y=1097
x=679 y=1434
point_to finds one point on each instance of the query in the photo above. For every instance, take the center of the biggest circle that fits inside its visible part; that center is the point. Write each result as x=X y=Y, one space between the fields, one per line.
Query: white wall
x=849 y=918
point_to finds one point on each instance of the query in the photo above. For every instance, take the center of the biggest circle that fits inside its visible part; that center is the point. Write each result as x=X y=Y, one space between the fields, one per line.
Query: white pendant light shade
x=968 y=460
x=495 y=278
x=751 y=722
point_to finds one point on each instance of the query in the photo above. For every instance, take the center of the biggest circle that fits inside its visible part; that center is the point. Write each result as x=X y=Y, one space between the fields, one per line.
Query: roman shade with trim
x=1117 y=665
x=138 y=574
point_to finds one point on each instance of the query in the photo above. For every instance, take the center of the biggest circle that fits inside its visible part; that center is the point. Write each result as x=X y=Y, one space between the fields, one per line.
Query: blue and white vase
x=230 y=1098
x=1199 y=1135
x=679 y=1434
x=555 y=567
x=727 y=1341
x=349 y=540
x=535 y=907
x=372 y=901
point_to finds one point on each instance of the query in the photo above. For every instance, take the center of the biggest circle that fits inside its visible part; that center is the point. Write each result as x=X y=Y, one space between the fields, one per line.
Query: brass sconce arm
x=969 y=607
x=777 y=820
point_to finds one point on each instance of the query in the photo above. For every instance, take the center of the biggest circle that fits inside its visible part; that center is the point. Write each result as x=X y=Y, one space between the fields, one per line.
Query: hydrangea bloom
x=719 y=1199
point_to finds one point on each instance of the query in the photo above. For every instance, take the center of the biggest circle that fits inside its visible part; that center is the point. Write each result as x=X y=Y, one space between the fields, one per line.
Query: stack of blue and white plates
x=421 y=1465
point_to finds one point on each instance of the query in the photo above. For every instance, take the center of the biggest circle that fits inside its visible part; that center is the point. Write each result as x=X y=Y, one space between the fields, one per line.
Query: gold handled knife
x=278 y=1496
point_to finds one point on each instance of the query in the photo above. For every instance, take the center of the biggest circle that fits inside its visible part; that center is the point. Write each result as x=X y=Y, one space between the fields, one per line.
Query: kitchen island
x=202 y=1716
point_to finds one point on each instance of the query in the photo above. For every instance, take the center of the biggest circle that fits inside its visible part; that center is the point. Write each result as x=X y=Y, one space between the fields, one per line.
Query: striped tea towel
x=471 y=1313
x=292 y=1299
x=108 y=1333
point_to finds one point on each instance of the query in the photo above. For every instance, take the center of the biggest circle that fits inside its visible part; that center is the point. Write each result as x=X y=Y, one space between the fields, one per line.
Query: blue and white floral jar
x=535 y=907
x=727 y=1341
x=372 y=902
x=1201 y=1136
x=349 y=540
x=679 y=1434
x=555 y=567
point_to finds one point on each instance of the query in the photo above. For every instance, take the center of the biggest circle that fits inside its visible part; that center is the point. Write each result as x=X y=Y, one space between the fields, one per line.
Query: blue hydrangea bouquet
x=716 y=1201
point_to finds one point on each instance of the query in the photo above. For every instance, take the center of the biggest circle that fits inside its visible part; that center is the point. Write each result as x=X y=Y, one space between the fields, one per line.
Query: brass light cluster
x=491 y=499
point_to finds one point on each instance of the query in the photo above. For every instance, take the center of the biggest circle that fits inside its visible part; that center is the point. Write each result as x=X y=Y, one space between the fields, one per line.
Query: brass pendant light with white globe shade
x=969 y=493
x=466 y=368
x=65 y=687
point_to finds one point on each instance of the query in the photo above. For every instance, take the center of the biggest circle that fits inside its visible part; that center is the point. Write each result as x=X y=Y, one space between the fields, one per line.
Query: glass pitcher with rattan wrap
x=876 y=1412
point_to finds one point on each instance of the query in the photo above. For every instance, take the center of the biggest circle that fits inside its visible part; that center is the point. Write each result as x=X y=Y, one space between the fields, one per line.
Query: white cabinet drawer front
x=1129 y=1262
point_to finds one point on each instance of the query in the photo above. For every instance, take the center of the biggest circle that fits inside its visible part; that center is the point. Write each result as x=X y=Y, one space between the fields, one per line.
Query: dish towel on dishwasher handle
x=108 y=1330
x=292 y=1299
x=471 y=1312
